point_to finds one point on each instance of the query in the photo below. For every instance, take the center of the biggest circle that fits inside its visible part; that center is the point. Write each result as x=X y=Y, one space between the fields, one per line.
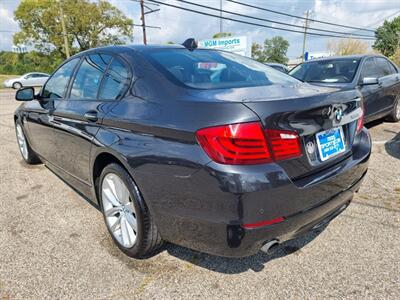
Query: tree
x=347 y=47
x=396 y=57
x=221 y=35
x=388 y=37
x=276 y=49
x=33 y=61
x=273 y=50
x=88 y=24
x=257 y=52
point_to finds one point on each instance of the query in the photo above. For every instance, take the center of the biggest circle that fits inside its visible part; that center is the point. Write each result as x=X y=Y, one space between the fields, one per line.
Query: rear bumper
x=206 y=211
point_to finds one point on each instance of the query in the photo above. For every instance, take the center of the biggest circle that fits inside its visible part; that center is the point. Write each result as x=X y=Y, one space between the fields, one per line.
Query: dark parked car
x=204 y=148
x=279 y=67
x=376 y=77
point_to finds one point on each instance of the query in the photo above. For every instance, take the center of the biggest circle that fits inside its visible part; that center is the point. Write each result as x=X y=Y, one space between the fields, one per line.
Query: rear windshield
x=210 y=69
x=327 y=71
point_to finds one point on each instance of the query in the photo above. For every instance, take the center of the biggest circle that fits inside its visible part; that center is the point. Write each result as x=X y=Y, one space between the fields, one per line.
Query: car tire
x=28 y=155
x=394 y=116
x=17 y=85
x=120 y=200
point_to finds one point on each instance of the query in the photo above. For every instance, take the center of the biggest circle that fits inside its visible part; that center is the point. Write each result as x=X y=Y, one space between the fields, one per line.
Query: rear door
x=93 y=92
x=39 y=113
x=372 y=93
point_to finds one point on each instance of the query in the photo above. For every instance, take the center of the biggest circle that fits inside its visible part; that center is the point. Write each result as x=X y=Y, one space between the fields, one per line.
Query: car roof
x=354 y=56
x=123 y=48
x=34 y=73
x=275 y=64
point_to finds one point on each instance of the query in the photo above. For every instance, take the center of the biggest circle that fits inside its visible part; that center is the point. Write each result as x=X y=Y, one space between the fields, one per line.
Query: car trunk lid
x=309 y=116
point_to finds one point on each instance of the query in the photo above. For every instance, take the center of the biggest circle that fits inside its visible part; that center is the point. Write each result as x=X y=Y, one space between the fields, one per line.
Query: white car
x=28 y=79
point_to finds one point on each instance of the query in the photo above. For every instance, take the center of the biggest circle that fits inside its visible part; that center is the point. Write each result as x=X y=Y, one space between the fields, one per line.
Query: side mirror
x=25 y=94
x=369 y=80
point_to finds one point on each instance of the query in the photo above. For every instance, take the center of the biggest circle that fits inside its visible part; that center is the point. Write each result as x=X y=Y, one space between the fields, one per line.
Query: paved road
x=53 y=244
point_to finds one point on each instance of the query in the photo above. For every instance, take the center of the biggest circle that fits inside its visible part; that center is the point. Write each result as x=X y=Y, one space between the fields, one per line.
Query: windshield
x=210 y=69
x=327 y=71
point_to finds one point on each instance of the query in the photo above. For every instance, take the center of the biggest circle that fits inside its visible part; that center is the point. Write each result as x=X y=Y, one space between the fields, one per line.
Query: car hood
x=262 y=93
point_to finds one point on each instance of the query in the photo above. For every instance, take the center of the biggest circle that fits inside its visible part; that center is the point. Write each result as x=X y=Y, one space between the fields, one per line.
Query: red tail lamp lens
x=285 y=144
x=247 y=143
x=237 y=144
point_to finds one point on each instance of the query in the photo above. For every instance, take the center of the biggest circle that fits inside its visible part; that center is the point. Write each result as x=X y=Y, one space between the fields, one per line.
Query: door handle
x=91 y=116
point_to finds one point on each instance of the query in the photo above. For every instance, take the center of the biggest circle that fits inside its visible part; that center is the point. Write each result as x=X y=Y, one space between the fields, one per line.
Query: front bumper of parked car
x=7 y=83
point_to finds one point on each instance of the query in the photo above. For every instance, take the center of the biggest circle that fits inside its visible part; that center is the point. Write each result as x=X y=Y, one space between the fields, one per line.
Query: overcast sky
x=177 y=25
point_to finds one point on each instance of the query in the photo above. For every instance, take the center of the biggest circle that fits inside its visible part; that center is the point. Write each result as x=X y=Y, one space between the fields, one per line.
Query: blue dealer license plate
x=330 y=143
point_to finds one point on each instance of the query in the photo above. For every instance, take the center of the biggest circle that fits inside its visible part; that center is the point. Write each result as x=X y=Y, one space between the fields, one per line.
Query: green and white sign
x=237 y=44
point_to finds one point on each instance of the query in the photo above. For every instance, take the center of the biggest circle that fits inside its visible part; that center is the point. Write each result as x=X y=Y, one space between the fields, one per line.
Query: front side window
x=115 y=82
x=56 y=86
x=327 y=71
x=88 y=78
x=210 y=69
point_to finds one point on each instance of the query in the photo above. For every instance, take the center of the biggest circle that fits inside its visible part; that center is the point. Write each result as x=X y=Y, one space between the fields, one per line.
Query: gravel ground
x=54 y=245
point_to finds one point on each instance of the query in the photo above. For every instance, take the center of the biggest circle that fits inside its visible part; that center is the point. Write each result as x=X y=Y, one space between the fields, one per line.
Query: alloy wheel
x=119 y=210
x=23 y=146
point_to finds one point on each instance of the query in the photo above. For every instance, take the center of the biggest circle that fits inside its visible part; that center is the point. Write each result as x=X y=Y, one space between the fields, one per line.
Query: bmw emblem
x=310 y=147
x=338 y=114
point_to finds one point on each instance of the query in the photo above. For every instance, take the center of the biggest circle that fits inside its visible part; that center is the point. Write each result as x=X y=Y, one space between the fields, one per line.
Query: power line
x=298 y=17
x=383 y=19
x=268 y=20
x=254 y=24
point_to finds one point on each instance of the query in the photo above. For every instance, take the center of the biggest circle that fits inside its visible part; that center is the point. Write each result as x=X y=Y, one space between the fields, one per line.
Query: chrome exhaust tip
x=270 y=247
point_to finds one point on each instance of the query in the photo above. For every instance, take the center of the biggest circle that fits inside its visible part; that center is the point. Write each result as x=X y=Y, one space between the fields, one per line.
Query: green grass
x=4 y=78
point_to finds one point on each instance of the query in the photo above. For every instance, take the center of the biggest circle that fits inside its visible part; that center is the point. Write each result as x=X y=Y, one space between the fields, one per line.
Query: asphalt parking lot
x=53 y=244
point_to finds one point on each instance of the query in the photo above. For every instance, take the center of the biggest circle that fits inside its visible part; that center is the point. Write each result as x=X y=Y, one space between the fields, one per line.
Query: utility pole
x=64 y=30
x=220 y=16
x=143 y=22
x=305 y=34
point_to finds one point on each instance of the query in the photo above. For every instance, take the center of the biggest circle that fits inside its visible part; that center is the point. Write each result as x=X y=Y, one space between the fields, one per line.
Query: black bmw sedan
x=376 y=77
x=202 y=148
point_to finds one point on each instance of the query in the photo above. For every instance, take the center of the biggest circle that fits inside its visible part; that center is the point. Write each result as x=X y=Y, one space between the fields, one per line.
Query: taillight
x=246 y=143
x=236 y=144
x=360 y=121
x=285 y=144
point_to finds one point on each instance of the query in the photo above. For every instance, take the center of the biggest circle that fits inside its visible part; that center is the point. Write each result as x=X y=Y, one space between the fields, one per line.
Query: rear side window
x=88 y=78
x=115 y=82
x=56 y=86
x=383 y=67
x=210 y=69
x=369 y=69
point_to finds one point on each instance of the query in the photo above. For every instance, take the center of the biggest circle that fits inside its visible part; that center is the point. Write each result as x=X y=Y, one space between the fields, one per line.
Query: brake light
x=285 y=144
x=360 y=121
x=236 y=144
x=246 y=144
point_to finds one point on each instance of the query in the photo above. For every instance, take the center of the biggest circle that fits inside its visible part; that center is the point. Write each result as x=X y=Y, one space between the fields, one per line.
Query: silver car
x=28 y=79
